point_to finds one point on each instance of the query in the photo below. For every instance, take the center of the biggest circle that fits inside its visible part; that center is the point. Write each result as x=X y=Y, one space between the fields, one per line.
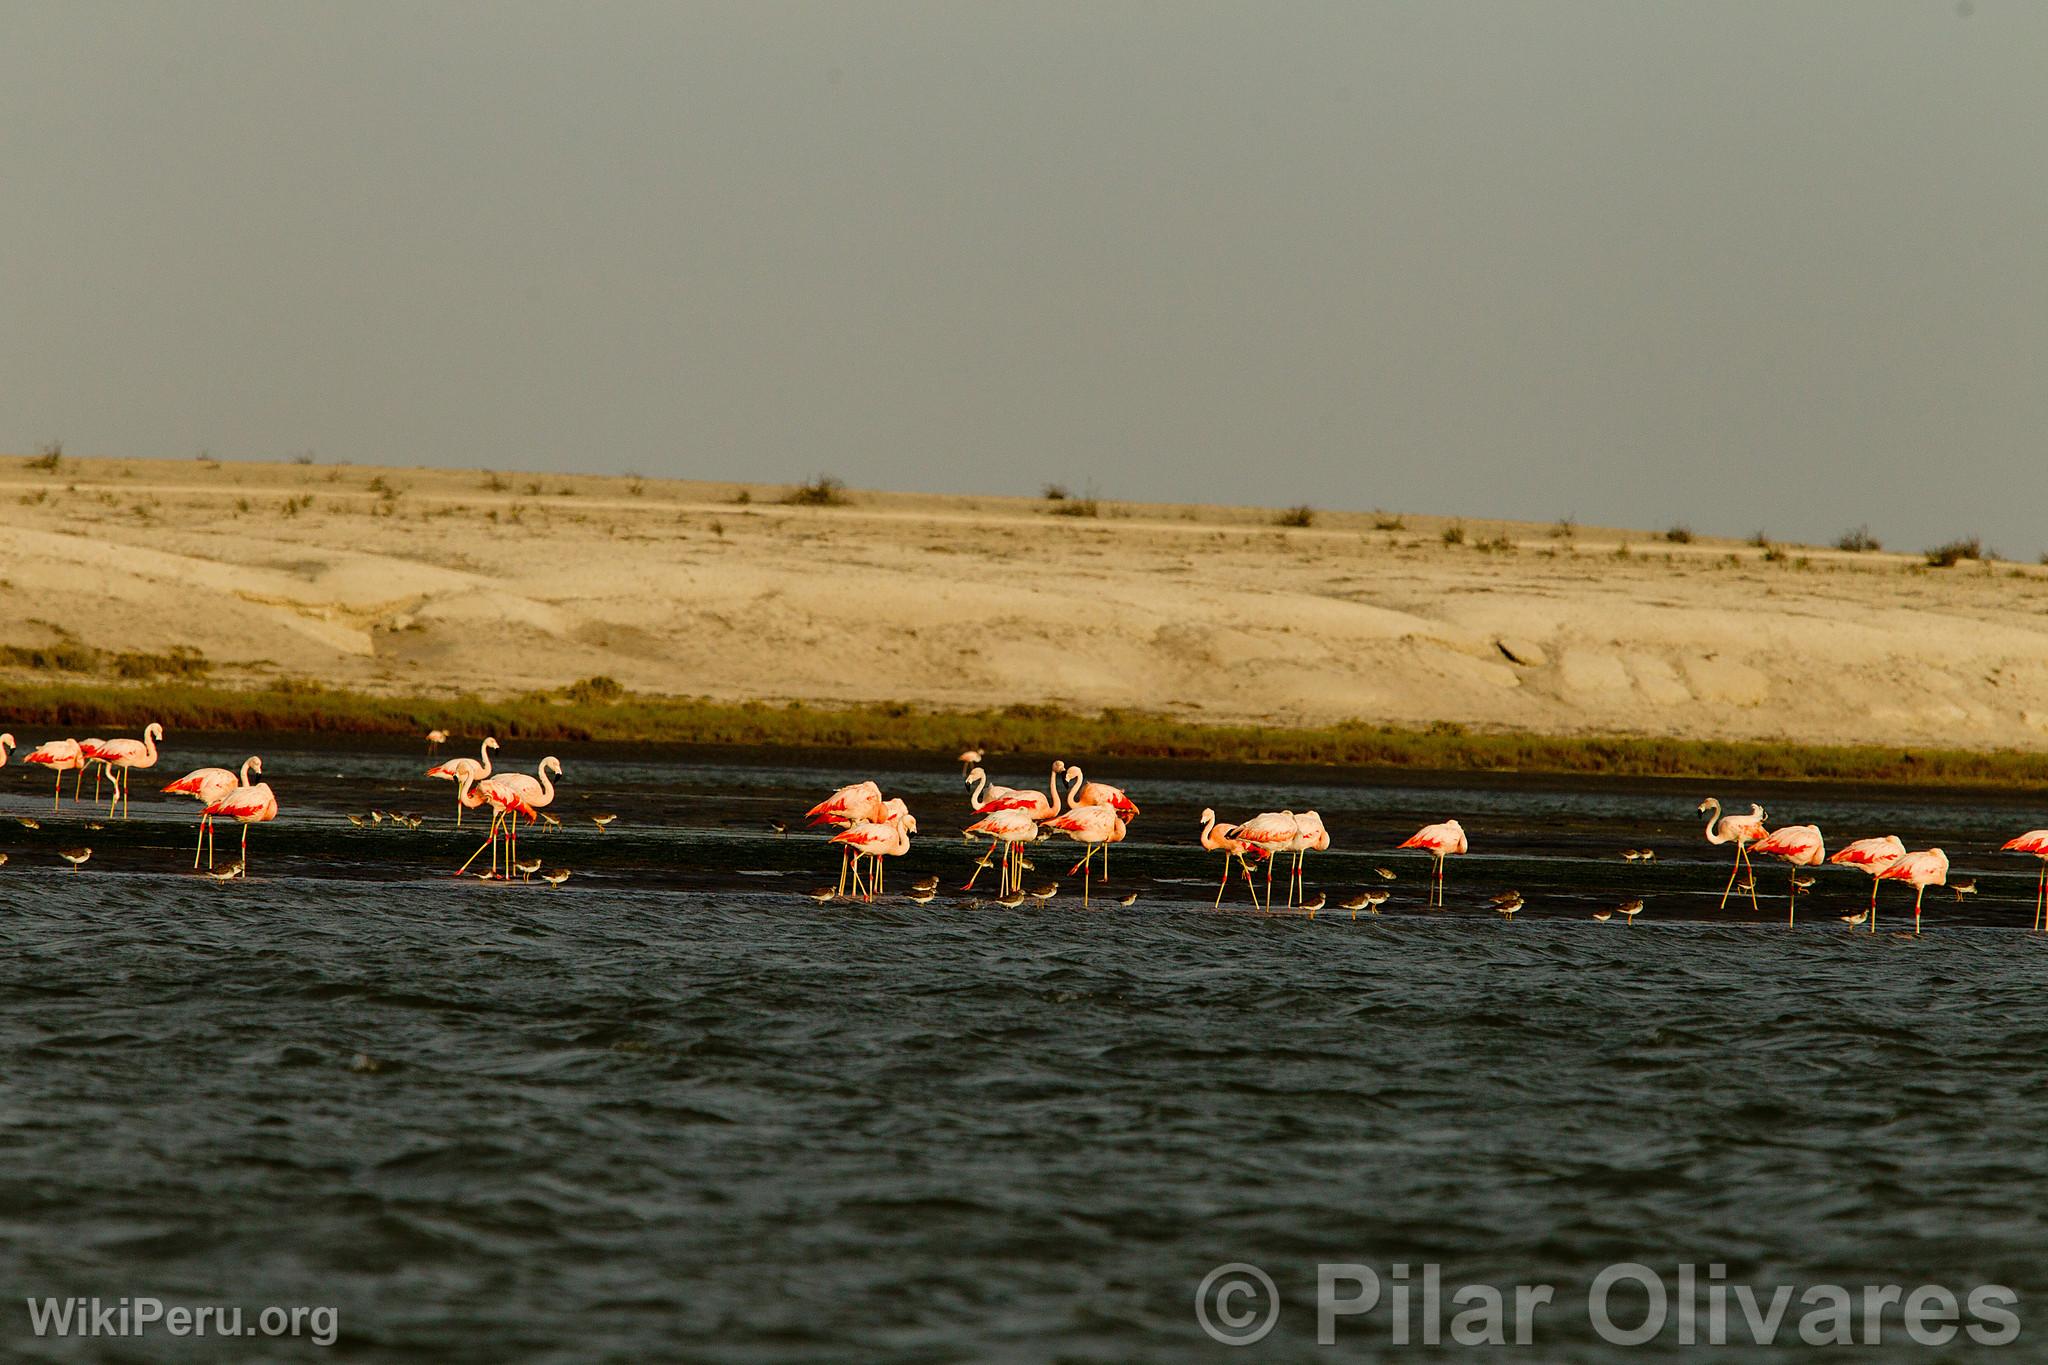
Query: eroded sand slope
x=463 y=581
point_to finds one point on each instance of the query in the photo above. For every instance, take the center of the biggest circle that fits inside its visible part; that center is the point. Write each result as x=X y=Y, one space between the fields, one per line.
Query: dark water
x=674 y=1110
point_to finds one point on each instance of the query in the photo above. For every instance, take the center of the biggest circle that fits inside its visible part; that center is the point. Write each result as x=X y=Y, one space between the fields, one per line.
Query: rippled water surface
x=676 y=1110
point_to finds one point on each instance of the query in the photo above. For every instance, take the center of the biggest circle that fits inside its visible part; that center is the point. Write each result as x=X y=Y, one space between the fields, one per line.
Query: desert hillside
x=464 y=581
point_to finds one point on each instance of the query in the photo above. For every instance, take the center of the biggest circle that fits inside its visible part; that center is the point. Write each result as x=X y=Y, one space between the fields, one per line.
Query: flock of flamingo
x=1095 y=815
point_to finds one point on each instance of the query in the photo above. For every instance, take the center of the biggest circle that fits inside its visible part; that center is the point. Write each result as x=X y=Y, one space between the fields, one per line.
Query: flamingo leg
x=200 y=845
x=245 y=850
x=58 y=795
x=1922 y=892
x=1733 y=872
x=1792 y=900
x=491 y=844
x=1087 y=869
x=1222 y=885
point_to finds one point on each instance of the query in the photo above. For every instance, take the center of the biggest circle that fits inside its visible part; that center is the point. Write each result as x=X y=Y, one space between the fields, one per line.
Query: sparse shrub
x=601 y=688
x=1056 y=492
x=1302 y=516
x=41 y=495
x=637 y=488
x=1622 y=551
x=1499 y=544
x=182 y=661
x=304 y=458
x=1681 y=534
x=1774 y=554
x=718 y=529
x=1565 y=528
x=1382 y=522
x=1949 y=555
x=241 y=504
x=1760 y=540
x=49 y=459
x=493 y=483
x=294 y=506
x=1077 y=507
x=823 y=491
x=381 y=488
x=1858 y=541
x=744 y=497
x=1454 y=534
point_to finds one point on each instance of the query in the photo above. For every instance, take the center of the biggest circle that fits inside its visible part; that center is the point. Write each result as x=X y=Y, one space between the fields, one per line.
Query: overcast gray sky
x=1744 y=264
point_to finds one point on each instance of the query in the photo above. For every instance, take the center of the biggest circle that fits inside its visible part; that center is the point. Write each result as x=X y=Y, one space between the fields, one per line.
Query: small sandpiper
x=602 y=820
x=1603 y=915
x=1010 y=900
x=554 y=877
x=1129 y=898
x=74 y=856
x=358 y=821
x=1044 y=893
x=1385 y=874
x=1508 y=899
x=1629 y=909
x=376 y=816
x=1963 y=886
x=226 y=873
x=1634 y=855
x=823 y=894
x=30 y=822
x=1315 y=903
x=1853 y=920
x=778 y=826
x=1803 y=882
x=1375 y=899
x=925 y=884
x=922 y=895
x=1355 y=903
x=526 y=868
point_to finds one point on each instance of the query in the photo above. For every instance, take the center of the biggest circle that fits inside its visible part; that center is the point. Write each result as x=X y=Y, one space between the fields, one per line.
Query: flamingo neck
x=1714 y=823
x=1052 y=785
x=547 y=788
x=149 y=747
x=1075 y=779
x=485 y=751
x=977 y=787
x=244 y=778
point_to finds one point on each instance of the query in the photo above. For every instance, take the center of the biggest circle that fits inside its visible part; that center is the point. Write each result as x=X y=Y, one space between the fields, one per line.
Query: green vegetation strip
x=597 y=709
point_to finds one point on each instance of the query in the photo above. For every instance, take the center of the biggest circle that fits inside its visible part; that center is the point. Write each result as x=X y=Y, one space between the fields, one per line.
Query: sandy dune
x=464 y=581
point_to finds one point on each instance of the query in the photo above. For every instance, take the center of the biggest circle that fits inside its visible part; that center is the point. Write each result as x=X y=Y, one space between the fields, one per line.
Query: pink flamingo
x=991 y=800
x=1310 y=837
x=210 y=785
x=1223 y=839
x=850 y=805
x=2034 y=841
x=876 y=840
x=1082 y=792
x=6 y=743
x=89 y=750
x=507 y=805
x=59 y=756
x=475 y=769
x=1872 y=856
x=121 y=756
x=1799 y=845
x=1009 y=829
x=512 y=795
x=1271 y=833
x=1441 y=840
x=1929 y=867
x=1095 y=826
x=247 y=806
x=1741 y=831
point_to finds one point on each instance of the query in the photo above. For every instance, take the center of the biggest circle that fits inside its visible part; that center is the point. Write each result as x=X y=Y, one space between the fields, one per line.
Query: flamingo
x=89 y=750
x=1441 y=841
x=1928 y=867
x=989 y=800
x=246 y=806
x=210 y=785
x=1271 y=833
x=1799 y=845
x=1223 y=838
x=507 y=805
x=120 y=756
x=6 y=743
x=475 y=769
x=1082 y=792
x=435 y=739
x=876 y=840
x=514 y=795
x=1008 y=828
x=1310 y=837
x=1740 y=830
x=59 y=756
x=1872 y=856
x=1095 y=826
x=2034 y=841
x=850 y=805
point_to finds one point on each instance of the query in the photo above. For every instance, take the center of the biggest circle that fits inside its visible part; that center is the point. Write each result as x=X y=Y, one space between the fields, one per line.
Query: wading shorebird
x=247 y=805
x=1440 y=841
x=1629 y=909
x=1223 y=838
x=554 y=877
x=1739 y=830
x=1854 y=920
x=75 y=856
x=1385 y=874
x=60 y=756
x=1963 y=886
x=1128 y=899
x=119 y=757
x=602 y=821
